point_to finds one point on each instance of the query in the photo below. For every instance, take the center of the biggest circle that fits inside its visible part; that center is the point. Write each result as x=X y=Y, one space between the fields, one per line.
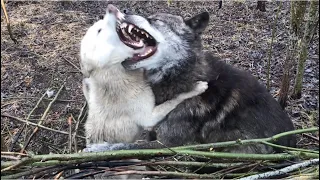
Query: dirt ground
x=47 y=56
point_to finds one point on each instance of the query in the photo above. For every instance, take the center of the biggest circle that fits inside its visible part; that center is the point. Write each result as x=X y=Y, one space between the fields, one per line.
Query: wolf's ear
x=198 y=22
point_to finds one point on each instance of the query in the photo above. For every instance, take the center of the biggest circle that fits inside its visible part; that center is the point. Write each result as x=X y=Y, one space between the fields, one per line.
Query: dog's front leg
x=160 y=111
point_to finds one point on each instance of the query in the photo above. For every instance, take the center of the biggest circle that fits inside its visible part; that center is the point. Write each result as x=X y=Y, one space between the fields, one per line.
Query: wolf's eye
x=99 y=31
x=155 y=21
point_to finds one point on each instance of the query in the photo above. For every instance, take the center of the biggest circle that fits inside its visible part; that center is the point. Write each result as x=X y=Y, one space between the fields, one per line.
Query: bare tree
x=304 y=42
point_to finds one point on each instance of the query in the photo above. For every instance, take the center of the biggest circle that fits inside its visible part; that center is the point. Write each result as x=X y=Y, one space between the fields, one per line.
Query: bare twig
x=37 y=125
x=166 y=173
x=42 y=119
x=10 y=157
x=195 y=164
x=282 y=171
x=58 y=175
x=14 y=153
x=79 y=120
x=289 y=148
x=49 y=99
x=75 y=66
x=8 y=22
x=70 y=132
x=16 y=137
x=311 y=137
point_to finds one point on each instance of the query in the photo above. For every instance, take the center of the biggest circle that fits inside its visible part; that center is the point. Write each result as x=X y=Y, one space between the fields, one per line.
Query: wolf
x=235 y=105
x=121 y=103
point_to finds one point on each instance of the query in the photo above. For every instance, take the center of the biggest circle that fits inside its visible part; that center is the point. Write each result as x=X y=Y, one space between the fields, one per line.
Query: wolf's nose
x=127 y=12
x=112 y=9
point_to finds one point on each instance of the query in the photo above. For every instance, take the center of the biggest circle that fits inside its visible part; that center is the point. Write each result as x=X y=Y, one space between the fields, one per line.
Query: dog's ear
x=198 y=22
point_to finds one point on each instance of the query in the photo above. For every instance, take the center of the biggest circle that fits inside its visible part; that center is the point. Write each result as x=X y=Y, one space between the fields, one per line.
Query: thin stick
x=10 y=157
x=37 y=125
x=70 y=132
x=8 y=22
x=58 y=175
x=290 y=148
x=311 y=137
x=195 y=164
x=49 y=99
x=16 y=137
x=13 y=153
x=79 y=120
x=42 y=119
x=282 y=171
x=71 y=64
x=166 y=173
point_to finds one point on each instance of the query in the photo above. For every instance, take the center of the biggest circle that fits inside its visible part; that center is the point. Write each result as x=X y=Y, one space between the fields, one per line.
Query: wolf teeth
x=123 y=25
x=130 y=28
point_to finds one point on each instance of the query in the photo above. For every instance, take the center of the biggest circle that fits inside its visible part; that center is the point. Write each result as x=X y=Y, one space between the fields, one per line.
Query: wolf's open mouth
x=137 y=38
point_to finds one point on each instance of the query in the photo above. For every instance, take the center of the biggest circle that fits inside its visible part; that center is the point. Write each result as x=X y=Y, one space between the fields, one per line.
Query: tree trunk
x=261 y=5
x=220 y=4
x=309 y=30
x=298 y=10
x=3 y=145
x=290 y=56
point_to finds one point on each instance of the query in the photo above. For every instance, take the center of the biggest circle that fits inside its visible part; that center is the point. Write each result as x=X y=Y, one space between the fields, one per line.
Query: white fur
x=120 y=102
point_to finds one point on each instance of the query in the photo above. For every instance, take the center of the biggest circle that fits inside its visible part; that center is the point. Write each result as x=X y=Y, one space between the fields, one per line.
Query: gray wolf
x=121 y=103
x=235 y=105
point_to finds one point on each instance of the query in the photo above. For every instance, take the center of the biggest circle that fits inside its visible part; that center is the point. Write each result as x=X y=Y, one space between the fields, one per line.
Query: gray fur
x=235 y=106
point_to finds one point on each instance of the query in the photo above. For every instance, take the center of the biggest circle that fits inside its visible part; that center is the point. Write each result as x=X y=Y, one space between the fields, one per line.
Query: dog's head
x=168 y=40
x=101 y=46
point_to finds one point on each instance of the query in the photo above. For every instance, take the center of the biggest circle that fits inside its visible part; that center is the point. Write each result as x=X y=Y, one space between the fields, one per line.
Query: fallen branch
x=58 y=159
x=283 y=170
x=166 y=173
x=246 y=142
x=195 y=164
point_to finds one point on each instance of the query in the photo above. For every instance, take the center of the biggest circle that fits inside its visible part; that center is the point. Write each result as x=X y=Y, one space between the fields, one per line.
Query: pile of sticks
x=177 y=162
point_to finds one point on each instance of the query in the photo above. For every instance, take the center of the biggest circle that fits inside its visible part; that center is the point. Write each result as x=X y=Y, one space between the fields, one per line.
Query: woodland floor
x=47 y=56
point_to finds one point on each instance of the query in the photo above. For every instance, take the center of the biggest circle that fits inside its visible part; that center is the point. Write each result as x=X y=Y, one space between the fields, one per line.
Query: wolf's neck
x=170 y=70
x=178 y=79
x=116 y=77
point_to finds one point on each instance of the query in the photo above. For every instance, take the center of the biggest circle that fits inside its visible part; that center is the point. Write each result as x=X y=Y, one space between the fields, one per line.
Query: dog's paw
x=201 y=86
x=101 y=147
x=98 y=147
